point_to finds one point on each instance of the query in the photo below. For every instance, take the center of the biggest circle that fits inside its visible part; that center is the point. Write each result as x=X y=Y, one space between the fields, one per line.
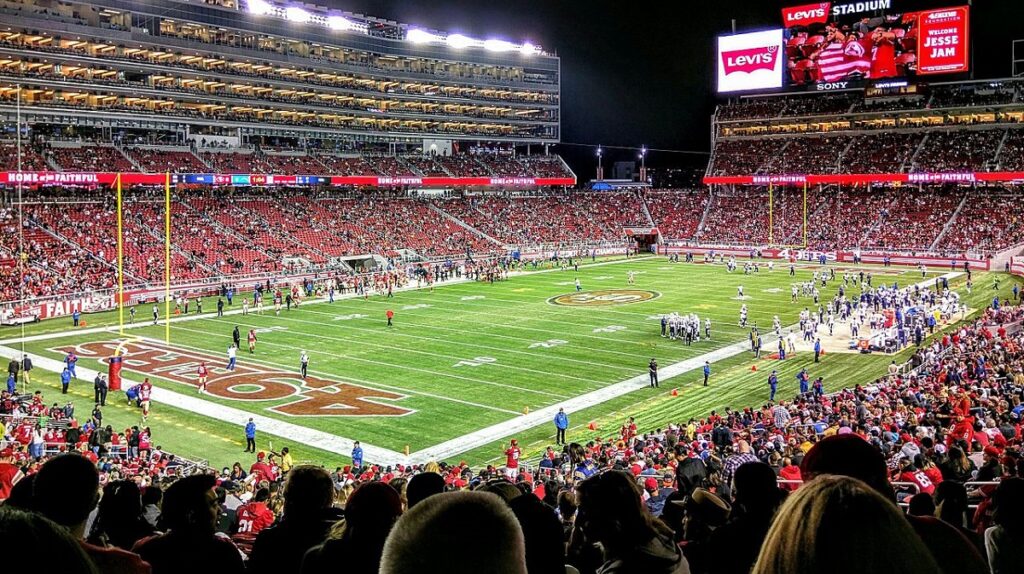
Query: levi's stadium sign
x=819 y=12
x=806 y=14
x=258 y=179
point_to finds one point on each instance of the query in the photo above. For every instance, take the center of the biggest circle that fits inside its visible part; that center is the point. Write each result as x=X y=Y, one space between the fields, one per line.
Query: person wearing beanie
x=358 y=541
x=423 y=485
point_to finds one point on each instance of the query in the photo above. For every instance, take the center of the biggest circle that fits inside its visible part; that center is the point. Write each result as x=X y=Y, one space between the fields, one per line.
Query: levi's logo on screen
x=806 y=14
x=750 y=59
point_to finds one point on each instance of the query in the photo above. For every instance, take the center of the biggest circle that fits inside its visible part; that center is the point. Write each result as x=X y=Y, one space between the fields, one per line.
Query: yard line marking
x=418 y=369
x=382 y=363
x=498 y=431
x=351 y=327
x=497 y=335
x=278 y=428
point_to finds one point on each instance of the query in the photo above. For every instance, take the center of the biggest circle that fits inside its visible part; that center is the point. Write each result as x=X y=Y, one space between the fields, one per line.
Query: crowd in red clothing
x=70 y=245
x=942 y=439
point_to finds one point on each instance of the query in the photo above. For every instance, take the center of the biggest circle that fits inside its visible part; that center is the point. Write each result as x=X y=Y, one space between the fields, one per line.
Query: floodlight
x=420 y=36
x=459 y=41
x=499 y=46
x=296 y=14
x=259 y=7
x=339 y=23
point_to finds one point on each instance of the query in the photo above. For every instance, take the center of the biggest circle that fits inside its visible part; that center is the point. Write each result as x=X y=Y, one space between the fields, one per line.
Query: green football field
x=461 y=365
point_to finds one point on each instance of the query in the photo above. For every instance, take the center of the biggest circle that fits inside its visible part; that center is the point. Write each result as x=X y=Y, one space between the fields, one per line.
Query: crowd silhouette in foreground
x=917 y=473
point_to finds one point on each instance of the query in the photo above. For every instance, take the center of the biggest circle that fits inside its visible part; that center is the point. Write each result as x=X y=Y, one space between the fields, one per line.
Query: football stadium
x=288 y=287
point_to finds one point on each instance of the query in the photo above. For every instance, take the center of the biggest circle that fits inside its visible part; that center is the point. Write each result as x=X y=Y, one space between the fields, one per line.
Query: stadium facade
x=227 y=74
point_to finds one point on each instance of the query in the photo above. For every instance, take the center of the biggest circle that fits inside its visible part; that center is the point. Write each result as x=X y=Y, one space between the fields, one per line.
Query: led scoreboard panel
x=751 y=61
x=828 y=42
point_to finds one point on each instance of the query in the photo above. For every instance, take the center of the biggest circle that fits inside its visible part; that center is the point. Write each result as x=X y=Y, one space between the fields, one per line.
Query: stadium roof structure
x=376 y=27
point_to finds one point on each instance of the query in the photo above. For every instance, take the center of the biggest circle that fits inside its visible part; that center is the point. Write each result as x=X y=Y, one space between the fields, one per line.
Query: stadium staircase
x=949 y=223
x=135 y=164
x=200 y=159
x=999 y=150
x=51 y=162
x=873 y=228
x=36 y=232
x=566 y=167
x=646 y=212
x=909 y=162
x=707 y=210
x=465 y=225
x=276 y=224
x=225 y=230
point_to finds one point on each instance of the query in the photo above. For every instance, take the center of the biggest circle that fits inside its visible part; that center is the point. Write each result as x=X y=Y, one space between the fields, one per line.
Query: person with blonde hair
x=838 y=525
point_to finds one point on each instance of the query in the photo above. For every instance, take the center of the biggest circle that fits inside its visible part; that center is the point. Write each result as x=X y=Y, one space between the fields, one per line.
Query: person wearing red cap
x=262 y=469
x=512 y=459
x=10 y=474
x=990 y=469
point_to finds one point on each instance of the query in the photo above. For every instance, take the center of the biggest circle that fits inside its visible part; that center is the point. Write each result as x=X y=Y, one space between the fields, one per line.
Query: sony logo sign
x=826 y=86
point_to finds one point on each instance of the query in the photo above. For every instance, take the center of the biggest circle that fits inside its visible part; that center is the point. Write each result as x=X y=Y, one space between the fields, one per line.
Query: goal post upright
x=797 y=243
x=120 y=259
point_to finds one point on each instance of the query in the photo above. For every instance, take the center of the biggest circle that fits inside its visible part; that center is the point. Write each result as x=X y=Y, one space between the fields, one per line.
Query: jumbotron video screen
x=830 y=42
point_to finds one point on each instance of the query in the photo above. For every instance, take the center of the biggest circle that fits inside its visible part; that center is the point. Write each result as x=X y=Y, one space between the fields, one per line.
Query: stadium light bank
x=343 y=23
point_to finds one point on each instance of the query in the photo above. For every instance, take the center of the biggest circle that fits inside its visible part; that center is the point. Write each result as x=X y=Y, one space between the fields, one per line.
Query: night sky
x=641 y=72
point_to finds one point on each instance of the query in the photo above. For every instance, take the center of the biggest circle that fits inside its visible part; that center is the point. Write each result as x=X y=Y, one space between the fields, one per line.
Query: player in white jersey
x=743 y=315
x=777 y=326
x=630 y=277
x=794 y=292
x=245 y=306
x=739 y=291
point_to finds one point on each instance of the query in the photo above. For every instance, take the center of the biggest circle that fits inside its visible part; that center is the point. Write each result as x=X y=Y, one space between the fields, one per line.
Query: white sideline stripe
x=292 y=432
x=492 y=433
x=343 y=446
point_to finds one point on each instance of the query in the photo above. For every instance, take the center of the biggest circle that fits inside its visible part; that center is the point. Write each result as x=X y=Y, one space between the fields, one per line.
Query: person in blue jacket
x=561 y=424
x=773 y=384
x=802 y=379
x=76 y=317
x=65 y=380
x=357 y=455
x=250 y=436
x=707 y=372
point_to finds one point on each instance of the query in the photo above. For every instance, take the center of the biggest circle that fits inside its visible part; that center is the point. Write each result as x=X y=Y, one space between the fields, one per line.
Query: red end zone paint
x=313 y=397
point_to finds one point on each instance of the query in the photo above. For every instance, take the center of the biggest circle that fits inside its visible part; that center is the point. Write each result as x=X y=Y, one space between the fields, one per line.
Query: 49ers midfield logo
x=750 y=59
x=604 y=297
x=312 y=397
